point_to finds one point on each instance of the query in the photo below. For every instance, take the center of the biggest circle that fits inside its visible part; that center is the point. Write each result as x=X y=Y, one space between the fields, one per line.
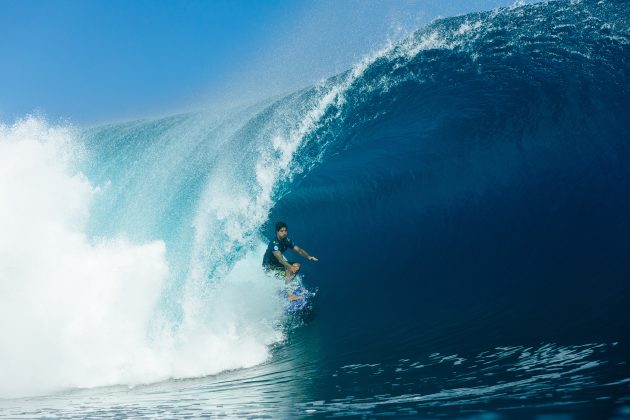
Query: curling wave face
x=466 y=185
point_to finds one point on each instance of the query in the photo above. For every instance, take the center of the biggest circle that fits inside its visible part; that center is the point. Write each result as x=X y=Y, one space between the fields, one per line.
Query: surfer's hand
x=293 y=297
x=294 y=268
x=312 y=258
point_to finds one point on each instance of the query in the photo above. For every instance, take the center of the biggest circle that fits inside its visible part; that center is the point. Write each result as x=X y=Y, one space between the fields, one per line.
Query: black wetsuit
x=270 y=260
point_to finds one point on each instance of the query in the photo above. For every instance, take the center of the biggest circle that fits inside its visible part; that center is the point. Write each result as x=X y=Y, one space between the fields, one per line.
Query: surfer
x=274 y=261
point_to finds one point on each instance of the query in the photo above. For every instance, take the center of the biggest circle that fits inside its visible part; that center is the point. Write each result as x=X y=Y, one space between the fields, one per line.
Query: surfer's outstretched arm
x=304 y=253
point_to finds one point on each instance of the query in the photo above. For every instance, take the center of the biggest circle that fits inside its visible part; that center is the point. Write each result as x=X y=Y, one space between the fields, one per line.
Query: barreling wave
x=483 y=139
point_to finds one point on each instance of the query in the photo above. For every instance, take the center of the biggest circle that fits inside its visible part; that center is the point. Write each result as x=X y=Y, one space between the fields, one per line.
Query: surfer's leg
x=288 y=275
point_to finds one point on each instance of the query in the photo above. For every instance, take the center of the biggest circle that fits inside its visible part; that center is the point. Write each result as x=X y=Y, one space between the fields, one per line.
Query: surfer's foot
x=292 y=271
x=293 y=297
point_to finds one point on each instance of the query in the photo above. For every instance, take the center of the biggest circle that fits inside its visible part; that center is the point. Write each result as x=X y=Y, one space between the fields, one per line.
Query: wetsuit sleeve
x=290 y=243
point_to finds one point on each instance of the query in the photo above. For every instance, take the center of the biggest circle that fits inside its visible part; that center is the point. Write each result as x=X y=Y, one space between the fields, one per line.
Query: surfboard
x=299 y=304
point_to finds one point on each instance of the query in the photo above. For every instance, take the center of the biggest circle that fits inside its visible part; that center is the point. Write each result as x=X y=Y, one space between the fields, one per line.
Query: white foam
x=233 y=326
x=78 y=312
x=72 y=313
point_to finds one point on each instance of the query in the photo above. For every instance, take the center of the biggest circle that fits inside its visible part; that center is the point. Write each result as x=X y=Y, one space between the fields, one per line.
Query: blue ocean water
x=466 y=193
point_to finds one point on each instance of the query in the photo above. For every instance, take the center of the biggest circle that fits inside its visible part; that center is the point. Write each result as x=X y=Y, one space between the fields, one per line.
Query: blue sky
x=97 y=61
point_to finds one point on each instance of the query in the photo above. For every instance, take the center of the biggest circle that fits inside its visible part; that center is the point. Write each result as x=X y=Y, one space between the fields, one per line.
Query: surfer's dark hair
x=280 y=225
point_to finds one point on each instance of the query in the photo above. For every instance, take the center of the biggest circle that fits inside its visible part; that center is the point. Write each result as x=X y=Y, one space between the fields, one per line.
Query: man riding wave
x=274 y=259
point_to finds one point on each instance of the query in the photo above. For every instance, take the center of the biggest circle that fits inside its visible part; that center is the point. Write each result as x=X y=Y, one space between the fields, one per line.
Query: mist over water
x=74 y=311
x=85 y=310
x=464 y=189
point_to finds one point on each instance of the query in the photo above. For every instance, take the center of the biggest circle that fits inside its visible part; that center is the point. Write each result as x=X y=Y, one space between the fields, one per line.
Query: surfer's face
x=282 y=233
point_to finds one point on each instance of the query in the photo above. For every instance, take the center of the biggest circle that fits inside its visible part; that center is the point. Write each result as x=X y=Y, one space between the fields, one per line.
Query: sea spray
x=73 y=312
x=84 y=311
